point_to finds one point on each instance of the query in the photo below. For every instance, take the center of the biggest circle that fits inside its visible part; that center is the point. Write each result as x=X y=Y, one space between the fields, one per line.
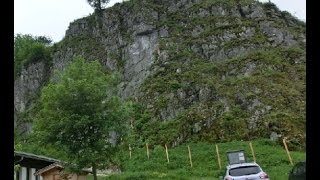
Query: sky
x=51 y=18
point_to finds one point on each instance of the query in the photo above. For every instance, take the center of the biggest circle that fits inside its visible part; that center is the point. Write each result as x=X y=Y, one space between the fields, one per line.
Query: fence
x=215 y=152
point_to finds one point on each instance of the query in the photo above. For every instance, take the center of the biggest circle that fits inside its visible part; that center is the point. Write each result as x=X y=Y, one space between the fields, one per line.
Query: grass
x=90 y=177
x=269 y=155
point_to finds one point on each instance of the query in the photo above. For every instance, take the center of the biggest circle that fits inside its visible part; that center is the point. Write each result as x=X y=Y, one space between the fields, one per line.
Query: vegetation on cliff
x=30 y=49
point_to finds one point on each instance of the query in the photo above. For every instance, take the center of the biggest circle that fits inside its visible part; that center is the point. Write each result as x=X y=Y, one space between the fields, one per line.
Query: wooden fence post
x=147 y=150
x=130 y=151
x=167 y=153
x=219 y=162
x=288 y=153
x=190 y=155
x=252 y=152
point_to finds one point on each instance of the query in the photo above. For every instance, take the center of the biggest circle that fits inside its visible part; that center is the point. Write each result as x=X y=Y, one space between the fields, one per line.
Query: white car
x=245 y=171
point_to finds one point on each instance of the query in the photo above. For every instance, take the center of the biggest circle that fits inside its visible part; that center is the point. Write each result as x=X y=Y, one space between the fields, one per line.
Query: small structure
x=36 y=167
x=55 y=172
x=236 y=157
x=29 y=164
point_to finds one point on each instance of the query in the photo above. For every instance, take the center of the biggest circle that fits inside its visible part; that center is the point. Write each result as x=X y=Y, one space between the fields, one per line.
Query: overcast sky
x=52 y=17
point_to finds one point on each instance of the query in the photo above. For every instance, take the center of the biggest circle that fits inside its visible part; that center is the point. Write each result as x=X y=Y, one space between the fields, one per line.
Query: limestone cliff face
x=194 y=64
x=130 y=33
x=26 y=89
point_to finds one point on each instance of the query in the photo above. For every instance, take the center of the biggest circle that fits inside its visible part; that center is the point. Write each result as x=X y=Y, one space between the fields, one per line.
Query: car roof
x=241 y=165
x=300 y=163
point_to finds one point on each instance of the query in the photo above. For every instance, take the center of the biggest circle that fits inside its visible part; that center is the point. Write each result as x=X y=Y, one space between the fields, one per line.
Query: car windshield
x=245 y=170
x=299 y=168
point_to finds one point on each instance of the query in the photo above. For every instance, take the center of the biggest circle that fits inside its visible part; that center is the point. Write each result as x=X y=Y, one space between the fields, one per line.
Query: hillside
x=200 y=70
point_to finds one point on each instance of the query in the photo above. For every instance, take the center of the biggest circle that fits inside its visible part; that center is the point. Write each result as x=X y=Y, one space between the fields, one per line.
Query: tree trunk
x=94 y=171
x=99 y=5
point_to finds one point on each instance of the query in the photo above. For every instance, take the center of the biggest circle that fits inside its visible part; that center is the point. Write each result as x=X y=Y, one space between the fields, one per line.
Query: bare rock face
x=26 y=90
x=141 y=58
x=134 y=38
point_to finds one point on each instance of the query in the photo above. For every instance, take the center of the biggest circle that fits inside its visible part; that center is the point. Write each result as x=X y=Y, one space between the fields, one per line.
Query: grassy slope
x=270 y=156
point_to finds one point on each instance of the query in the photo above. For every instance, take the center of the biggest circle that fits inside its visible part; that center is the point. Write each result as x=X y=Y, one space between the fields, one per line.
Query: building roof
x=32 y=161
x=48 y=168
x=33 y=156
x=57 y=165
x=42 y=163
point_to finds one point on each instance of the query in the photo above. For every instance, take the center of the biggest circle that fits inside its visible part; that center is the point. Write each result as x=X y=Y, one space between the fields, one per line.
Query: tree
x=98 y=4
x=79 y=111
x=29 y=49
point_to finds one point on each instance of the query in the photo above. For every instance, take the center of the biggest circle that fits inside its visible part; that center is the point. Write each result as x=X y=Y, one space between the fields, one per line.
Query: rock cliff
x=211 y=70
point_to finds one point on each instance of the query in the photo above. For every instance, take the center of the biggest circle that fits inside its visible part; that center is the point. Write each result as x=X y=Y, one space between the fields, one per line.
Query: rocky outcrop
x=174 y=56
x=26 y=90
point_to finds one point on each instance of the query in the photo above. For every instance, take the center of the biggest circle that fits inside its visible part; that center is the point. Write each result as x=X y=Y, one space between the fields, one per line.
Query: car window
x=299 y=169
x=246 y=170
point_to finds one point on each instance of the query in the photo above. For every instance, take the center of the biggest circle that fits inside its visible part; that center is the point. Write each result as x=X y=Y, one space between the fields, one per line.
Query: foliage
x=78 y=113
x=98 y=4
x=85 y=45
x=30 y=49
x=30 y=143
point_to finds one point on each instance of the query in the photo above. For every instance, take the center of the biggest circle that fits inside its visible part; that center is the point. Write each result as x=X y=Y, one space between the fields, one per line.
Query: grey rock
x=204 y=94
x=114 y=137
x=26 y=86
x=163 y=33
x=196 y=127
x=274 y=136
x=143 y=29
x=203 y=13
x=224 y=101
x=197 y=30
x=257 y=12
x=171 y=111
x=249 y=69
x=181 y=94
x=219 y=11
x=228 y=36
x=141 y=58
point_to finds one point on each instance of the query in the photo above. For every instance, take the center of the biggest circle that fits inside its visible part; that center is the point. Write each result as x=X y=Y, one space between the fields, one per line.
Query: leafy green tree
x=29 y=49
x=79 y=112
x=98 y=4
